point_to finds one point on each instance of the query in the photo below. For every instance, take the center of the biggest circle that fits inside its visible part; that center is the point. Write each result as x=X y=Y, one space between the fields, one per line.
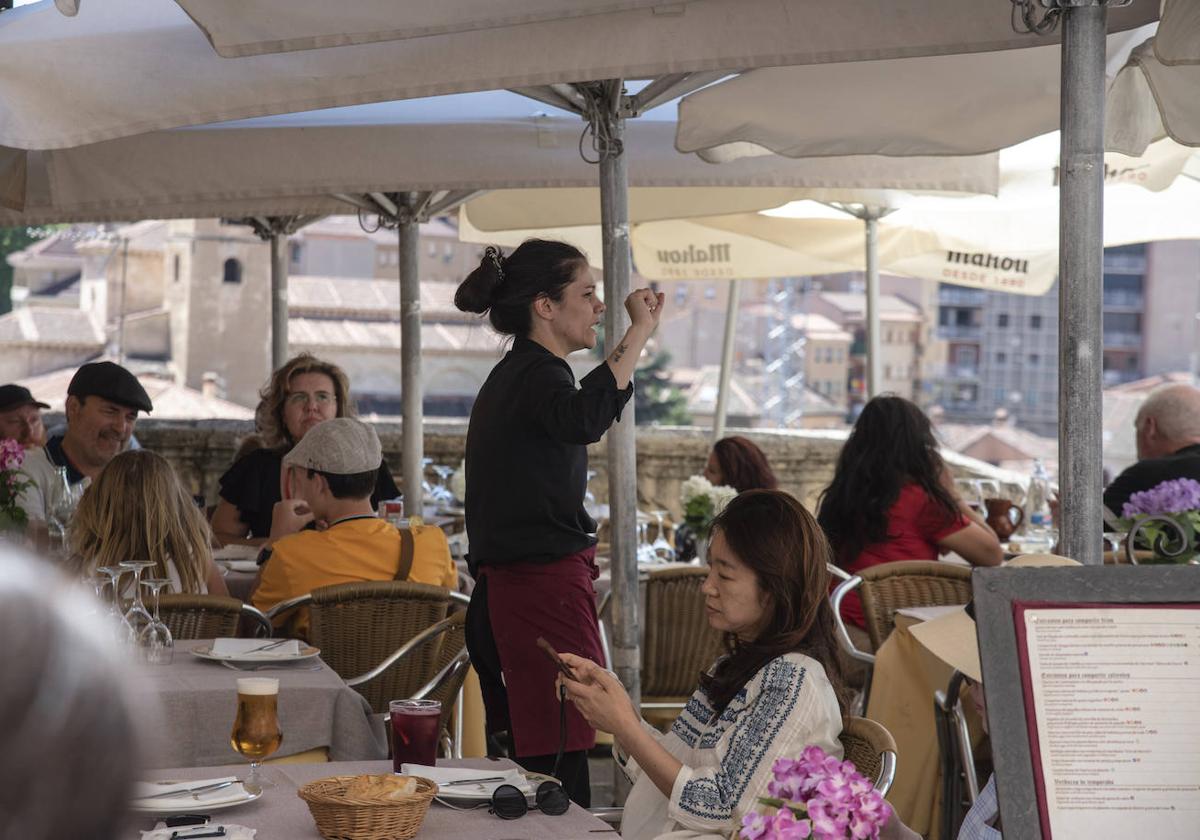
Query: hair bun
x=478 y=291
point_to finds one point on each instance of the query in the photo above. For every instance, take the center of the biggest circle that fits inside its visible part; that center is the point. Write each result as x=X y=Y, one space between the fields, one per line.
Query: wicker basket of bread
x=384 y=807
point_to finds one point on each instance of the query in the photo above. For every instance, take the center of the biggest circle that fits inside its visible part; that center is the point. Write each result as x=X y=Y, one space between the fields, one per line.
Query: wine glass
x=589 y=498
x=155 y=639
x=137 y=616
x=971 y=492
x=113 y=575
x=661 y=548
x=256 y=733
x=1116 y=539
x=645 y=552
x=442 y=492
x=425 y=485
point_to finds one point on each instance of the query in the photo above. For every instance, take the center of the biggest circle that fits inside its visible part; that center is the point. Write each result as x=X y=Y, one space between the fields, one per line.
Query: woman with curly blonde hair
x=304 y=392
x=137 y=509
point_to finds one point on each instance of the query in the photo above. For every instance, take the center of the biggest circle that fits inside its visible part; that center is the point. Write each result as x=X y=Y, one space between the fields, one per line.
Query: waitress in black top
x=532 y=544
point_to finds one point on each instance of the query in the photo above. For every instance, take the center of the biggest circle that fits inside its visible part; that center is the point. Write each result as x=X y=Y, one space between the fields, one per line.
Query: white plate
x=474 y=794
x=250 y=566
x=206 y=652
x=174 y=806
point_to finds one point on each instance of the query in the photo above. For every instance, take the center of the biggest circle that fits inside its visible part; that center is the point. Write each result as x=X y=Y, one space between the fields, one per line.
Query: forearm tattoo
x=620 y=351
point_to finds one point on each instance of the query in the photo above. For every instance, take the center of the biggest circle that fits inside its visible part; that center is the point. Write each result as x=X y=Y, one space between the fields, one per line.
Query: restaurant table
x=197 y=700
x=905 y=677
x=282 y=815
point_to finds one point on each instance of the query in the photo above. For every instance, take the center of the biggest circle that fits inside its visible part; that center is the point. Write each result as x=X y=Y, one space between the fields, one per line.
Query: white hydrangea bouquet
x=702 y=501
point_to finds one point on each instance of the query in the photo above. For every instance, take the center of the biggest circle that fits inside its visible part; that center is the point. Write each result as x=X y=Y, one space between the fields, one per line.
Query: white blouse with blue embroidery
x=785 y=707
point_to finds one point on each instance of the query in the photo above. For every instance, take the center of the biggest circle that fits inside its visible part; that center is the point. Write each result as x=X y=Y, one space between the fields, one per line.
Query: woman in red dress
x=892 y=498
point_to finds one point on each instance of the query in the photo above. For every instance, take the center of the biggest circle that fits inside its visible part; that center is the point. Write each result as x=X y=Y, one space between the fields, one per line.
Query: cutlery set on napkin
x=461 y=780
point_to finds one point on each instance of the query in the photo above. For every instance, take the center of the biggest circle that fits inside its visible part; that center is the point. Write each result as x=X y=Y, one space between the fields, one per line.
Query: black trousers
x=573 y=769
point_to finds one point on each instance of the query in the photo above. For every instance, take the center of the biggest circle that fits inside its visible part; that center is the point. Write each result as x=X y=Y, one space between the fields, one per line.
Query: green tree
x=657 y=402
x=11 y=240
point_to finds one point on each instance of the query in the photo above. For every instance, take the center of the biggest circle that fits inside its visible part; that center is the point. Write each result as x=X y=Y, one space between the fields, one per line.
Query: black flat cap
x=14 y=396
x=112 y=382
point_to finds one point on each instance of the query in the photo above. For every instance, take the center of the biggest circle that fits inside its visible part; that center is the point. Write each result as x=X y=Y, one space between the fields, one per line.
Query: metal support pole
x=279 y=297
x=726 y=360
x=1080 y=283
x=622 y=465
x=874 y=361
x=409 y=230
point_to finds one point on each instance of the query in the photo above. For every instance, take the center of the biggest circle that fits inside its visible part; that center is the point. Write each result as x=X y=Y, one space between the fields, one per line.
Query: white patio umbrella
x=126 y=67
x=852 y=30
x=1154 y=94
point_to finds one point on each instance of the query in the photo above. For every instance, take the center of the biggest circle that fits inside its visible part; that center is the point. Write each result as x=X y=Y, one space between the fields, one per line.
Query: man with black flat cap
x=21 y=417
x=103 y=401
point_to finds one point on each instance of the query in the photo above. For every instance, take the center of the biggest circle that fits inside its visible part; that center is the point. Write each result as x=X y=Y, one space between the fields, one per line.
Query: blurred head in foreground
x=67 y=752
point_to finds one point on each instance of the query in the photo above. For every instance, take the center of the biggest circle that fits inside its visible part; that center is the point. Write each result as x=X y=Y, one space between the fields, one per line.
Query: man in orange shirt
x=328 y=478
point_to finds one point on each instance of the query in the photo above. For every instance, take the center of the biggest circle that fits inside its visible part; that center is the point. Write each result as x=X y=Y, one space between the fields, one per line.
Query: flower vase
x=702 y=551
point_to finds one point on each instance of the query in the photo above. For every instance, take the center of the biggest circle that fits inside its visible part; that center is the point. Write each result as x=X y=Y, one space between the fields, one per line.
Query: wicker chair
x=872 y=749
x=679 y=643
x=359 y=625
x=209 y=616
x=889 y=587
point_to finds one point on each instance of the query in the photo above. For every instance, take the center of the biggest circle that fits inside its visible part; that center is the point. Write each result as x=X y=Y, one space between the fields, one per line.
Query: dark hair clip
x=494 y=255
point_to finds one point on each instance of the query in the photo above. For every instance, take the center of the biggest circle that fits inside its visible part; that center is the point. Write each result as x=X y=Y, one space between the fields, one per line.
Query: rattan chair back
x=909 y=583
x=199 y=616
x=358 y=625
x=679 y=643
x=452 y=643
x=866 y=744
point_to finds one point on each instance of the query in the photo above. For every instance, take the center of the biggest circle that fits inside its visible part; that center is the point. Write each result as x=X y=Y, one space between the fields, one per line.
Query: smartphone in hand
x=550 y=652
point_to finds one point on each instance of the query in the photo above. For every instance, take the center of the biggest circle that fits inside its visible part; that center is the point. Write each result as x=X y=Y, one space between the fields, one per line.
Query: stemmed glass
x=137 y=616
x=1117 y=539
x=589 y=498
x=661 y=548
x=62 y=510
x=113 y=575
x=442 y=492
x=256 y=733
x=971 y=492
x=645 y=552
x=425 y=485
x=155 y=639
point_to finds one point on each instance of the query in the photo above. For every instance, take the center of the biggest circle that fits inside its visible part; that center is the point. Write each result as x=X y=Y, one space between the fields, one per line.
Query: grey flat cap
x=342 y=446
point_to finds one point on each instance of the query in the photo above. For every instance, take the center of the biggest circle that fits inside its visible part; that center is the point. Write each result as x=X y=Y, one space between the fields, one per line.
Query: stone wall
x=803 y=460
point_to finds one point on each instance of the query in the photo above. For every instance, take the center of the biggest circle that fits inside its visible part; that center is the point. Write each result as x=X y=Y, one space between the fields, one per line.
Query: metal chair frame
x=959 y=776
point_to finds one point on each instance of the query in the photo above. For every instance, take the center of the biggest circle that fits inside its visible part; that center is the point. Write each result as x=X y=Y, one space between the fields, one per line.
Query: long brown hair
x=137 y=509
x=743 y=465
x=890 y=446
x=772 y=534
x=268 y=417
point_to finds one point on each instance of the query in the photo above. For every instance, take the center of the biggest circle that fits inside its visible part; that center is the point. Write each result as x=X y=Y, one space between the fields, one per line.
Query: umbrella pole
x=279 y=298
x=874 y=362
x=1080 y=272
x=408 y=231
x=622 y=444
x=731 y=311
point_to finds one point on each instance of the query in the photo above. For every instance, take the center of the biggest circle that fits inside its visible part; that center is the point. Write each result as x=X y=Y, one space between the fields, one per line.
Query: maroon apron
x=558 y=602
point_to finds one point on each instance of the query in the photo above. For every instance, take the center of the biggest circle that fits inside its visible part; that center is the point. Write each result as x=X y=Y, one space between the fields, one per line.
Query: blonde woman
x=304 y=392
x=137 y=509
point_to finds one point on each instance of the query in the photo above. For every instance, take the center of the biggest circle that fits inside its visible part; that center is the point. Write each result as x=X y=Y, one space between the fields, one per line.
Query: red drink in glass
x=416 y=725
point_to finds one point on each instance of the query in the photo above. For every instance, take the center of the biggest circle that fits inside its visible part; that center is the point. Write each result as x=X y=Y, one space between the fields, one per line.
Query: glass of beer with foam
x=256 y=731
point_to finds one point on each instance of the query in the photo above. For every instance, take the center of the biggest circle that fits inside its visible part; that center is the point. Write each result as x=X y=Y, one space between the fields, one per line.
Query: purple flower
x=12 y=455
x=754 y=826
x=1174 y=496
x=785 y=826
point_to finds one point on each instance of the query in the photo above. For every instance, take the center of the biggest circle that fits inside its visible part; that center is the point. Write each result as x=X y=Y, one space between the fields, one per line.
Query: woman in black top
x=532 y=544
x=301 y=394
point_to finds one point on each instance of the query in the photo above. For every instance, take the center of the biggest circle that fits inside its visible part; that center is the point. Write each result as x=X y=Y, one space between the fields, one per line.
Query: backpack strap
x=407 y=550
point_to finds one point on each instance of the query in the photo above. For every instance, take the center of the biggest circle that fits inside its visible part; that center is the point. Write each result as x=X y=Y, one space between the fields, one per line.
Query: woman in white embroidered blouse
x=778 y=690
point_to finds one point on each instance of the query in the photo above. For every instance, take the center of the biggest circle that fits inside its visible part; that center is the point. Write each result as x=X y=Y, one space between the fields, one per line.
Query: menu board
x=1113 y=692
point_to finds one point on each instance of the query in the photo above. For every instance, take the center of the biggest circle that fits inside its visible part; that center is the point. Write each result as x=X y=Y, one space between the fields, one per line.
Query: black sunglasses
x=508 y=802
